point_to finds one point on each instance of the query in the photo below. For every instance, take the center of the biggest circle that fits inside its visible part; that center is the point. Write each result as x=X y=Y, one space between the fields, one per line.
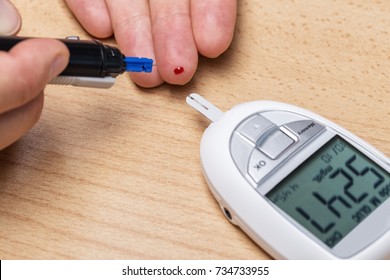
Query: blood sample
x=178 y=70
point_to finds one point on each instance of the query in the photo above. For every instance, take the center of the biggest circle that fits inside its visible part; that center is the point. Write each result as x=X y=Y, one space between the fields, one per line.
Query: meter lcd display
x=333 y=191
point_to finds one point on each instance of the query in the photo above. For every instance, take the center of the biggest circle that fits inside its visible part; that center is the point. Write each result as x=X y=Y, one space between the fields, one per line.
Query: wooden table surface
x=115 y=174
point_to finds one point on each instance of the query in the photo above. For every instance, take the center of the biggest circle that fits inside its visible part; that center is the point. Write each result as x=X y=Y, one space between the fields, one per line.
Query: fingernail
x=10 y=20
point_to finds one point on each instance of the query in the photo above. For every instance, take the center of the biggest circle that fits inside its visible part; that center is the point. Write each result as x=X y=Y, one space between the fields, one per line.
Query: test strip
x=204 y=107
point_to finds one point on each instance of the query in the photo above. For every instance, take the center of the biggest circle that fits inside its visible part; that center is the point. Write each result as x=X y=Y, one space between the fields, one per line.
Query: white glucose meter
x=299 y=185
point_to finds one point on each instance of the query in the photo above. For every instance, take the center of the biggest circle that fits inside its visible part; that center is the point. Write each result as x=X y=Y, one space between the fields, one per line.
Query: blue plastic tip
x=138 y=64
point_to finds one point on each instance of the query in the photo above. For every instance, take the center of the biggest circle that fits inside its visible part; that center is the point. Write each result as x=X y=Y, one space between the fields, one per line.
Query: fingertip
x=147 y=80
x=94 y=18
x=176 y=53
x=178 y=73
x=10 y=20
x=213 y=25
x=33 y=63
x=99 y=30
x=48 y=56
x=60 y=60
x=213 y=48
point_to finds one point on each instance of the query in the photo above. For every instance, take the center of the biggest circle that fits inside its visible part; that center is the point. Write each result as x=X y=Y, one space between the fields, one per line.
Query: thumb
x=27 y=68
x=10 y=20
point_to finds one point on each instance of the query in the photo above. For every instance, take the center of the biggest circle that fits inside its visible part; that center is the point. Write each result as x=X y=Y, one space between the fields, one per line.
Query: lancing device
x=91 y=63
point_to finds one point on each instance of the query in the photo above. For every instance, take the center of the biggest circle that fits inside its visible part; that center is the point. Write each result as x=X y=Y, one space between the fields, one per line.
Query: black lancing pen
x=91 y=63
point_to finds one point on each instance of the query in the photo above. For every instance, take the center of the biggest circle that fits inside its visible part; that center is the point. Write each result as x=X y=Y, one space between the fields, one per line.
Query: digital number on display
x=333 y=191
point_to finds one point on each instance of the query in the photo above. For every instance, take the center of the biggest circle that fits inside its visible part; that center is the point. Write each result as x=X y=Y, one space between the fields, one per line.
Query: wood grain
x=115 y=174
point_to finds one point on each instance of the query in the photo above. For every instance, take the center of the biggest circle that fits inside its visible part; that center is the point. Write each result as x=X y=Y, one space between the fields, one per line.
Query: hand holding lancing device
x=24 y=72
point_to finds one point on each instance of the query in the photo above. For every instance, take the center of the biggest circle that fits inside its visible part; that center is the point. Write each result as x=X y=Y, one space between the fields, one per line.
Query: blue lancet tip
x=138 y=64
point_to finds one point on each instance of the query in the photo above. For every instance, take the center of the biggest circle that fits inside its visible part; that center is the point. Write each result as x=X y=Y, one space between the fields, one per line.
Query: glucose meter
x=299 y=185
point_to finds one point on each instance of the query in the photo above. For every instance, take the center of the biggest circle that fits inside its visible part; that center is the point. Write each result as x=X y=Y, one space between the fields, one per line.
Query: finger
x=27 y=68
x=173 y=40
x=133 y=32
x=15 y=123
x=93 y=17
x=10 y=20
x=213 y=25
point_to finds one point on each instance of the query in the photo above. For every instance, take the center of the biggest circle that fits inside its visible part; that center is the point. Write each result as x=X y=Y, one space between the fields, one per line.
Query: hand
x=24 y=72
x=172 y=32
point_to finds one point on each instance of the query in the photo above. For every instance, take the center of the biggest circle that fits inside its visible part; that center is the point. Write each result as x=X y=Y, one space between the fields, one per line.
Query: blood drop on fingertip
x=178 y=70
